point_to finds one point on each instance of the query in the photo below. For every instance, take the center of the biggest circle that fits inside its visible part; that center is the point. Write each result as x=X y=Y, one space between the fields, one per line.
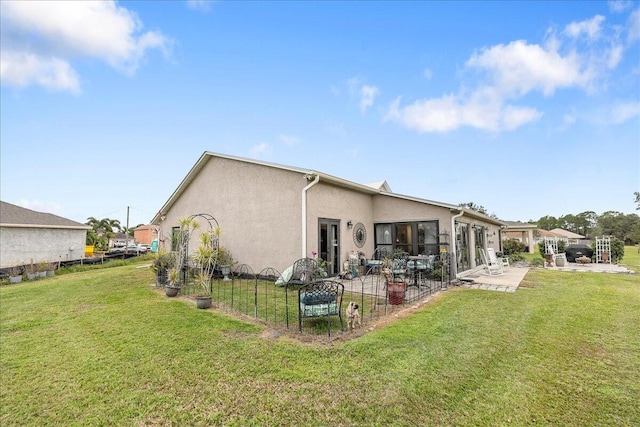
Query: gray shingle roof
x=18 y=216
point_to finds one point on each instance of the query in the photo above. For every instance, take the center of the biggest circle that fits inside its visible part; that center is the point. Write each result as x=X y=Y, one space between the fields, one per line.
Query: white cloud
x=202 y=5
x=634 y=26
x=624 y=111
x=261 y=150
x=590 y=27
x=367 y=94
x=568 y=120
x=39 y=37
x=615 y=56
x=519 y=67
x=39 y=206
x=22 y=69
x=450 y=112
x=508 y=72
x=618 y=6
x=289 y=140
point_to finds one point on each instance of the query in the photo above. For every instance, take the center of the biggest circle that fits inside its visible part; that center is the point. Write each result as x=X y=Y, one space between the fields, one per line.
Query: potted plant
x=41 y=269
x=51 y=269
x=225 y=261
x=604 y=256
x=396 y=287
x=15 y=275
x=205 y=258
x=172 y=289
x=32 y=272
x=162 y=262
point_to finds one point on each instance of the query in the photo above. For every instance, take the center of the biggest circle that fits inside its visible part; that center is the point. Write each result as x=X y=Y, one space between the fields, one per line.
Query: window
x=428 y=238
x=415 y=238
x=384 y=239
x=175 y=231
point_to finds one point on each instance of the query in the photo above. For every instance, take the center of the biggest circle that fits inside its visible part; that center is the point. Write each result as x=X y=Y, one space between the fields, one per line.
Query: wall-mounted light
x=349 y=224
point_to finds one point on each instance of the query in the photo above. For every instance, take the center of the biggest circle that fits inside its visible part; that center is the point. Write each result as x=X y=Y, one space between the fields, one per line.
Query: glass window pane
x=383 y=234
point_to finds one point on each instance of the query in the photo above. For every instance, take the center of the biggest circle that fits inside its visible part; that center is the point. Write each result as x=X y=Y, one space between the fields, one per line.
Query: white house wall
x=22 y=246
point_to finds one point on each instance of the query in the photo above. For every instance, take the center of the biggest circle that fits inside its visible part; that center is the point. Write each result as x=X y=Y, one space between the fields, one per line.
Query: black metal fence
x=266 y=297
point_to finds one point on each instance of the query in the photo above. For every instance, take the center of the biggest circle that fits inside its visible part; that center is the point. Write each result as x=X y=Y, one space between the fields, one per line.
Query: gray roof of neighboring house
x=517 y=224
x=566 y=233
x=16 y=216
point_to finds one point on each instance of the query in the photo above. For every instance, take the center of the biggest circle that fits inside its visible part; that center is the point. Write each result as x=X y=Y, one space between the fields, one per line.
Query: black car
x=576 y=251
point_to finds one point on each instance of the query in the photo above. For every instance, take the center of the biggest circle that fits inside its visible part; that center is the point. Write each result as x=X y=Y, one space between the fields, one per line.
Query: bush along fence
x=302 y=299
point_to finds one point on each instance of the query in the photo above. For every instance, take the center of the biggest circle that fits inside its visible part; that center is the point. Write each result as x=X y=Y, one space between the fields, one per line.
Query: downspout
x=304 y=212
x=454 y=263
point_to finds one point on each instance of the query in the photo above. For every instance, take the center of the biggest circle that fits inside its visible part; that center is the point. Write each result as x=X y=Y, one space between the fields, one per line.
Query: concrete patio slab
x=506 y=282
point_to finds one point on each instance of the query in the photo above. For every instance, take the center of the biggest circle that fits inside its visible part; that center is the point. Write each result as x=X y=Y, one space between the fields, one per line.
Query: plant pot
x=32 y=276
x=604 y=256
x=50 y=273
x=171 y=291
x=15 y=279
x=42 y=274
x=395 y=292
x=162 y=277
x=203 y=302
x=225 y=270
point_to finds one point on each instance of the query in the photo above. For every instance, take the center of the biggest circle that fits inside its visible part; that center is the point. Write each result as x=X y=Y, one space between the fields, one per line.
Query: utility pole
x=126 y=234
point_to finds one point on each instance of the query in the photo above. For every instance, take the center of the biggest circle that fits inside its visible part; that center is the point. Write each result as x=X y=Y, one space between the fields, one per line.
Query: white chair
x=493 y=268
x=494 y=258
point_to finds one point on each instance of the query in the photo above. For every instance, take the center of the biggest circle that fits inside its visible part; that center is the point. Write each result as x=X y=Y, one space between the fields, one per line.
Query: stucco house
x=271 y=214
x=27 y=237
x=145 y=234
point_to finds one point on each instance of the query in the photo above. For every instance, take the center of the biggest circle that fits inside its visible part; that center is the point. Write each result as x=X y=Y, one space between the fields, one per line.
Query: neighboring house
x=271 y=214
x=28 y=237
x=523 y=232
x=570 y=236
x=120 y=240
x=145 y=234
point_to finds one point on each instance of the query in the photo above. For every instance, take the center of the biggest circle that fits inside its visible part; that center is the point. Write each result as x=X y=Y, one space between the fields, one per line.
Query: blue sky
x=526 y=108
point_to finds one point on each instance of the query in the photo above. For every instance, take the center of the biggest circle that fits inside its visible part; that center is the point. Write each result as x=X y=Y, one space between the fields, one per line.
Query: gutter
x=304 y=210
x=57 y=227
x=454 y=262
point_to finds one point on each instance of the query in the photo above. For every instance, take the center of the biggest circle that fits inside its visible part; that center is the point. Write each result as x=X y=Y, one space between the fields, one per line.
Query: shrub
x=617 y=249
x=516 y=257
x=513 y=246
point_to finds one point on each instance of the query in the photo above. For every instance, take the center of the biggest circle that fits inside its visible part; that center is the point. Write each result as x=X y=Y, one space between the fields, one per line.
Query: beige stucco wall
x=342 y=204
x=393 y=209
x=257 y=207
x=22 y=246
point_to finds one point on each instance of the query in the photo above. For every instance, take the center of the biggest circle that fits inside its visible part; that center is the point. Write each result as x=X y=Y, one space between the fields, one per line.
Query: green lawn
x=102 y=347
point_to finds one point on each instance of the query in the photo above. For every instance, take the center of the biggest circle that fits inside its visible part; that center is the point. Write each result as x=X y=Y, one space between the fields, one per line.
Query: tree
x=637 y=194
x=585 y=221
x=103 y=230
x=473 y=206
x=613 y=223
x=548 y=223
